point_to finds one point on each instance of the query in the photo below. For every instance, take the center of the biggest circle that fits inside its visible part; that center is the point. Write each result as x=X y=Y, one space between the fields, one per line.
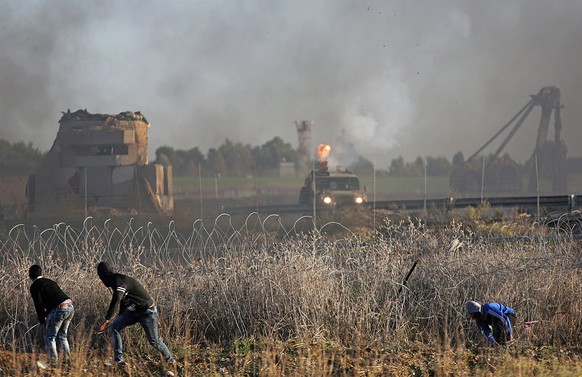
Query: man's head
x=105 y=274
x=473 y=308
x=34 y=271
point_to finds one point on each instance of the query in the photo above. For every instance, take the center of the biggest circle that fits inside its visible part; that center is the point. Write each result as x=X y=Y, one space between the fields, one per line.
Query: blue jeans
x=56 y=326
x=148 y=319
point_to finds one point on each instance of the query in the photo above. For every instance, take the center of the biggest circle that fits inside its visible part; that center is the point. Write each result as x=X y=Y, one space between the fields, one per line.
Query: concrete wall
x=101 y=160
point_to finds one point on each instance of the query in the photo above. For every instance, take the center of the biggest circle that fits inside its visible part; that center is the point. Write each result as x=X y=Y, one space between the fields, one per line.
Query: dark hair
x=34 y=271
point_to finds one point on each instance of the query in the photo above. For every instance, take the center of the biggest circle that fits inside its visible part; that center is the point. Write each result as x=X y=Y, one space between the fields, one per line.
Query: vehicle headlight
x=327 y=199
x=359 y=200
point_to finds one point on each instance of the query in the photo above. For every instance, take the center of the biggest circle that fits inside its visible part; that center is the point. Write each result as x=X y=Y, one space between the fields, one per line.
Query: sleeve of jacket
x=118 y=293
x=38 y=306
x=507 y=322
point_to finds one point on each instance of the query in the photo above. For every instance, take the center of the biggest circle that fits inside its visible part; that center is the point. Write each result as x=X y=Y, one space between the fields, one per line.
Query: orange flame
x=323 y=151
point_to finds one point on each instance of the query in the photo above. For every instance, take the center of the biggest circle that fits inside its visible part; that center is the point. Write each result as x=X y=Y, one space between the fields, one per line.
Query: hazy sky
x=395 y=78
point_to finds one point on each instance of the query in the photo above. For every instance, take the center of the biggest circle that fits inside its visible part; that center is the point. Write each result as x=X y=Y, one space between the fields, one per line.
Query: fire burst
x=323 y=151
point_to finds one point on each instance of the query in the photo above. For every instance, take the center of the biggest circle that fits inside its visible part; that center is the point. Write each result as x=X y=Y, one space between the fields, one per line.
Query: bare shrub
x=221 y=283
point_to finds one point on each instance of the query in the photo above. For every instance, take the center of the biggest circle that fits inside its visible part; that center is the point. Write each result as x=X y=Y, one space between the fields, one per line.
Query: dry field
x=265 y=300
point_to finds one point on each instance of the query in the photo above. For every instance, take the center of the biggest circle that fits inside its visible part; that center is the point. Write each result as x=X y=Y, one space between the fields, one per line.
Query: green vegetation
x=192 y=184
x=385 y=187
x=230 y=159
x=234 y=166
x=18 y=158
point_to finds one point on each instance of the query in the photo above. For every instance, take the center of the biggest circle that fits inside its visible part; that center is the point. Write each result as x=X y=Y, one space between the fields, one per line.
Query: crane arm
x=514 y=130
x=528 y=107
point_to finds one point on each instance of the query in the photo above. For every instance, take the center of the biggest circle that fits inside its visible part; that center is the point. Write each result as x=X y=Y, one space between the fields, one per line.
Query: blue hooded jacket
x=491 y=312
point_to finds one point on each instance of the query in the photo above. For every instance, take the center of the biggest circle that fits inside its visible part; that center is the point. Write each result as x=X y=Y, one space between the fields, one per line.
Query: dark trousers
x=499 y=331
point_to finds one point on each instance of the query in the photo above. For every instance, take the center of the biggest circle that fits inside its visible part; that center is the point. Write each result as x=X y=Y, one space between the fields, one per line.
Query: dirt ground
x=299 y=359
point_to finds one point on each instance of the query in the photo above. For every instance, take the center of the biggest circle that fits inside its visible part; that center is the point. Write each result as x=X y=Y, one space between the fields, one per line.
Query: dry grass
x=261 y=300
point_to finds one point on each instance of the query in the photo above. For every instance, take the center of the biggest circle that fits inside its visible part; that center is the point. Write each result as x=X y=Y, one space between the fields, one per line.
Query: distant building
x=287 y=169
x=100 y=160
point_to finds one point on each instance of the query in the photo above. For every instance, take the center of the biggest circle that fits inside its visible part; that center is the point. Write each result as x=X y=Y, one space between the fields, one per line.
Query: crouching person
x=135 y=306
x=495 y=320
x=54 y=310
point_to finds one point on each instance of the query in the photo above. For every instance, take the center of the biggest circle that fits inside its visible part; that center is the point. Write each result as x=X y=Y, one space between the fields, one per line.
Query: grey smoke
x=410 y=78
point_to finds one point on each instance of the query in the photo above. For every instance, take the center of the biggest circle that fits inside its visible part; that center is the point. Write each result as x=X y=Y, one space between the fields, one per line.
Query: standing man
x=495 y=320
x=135 y=305
x=54 y=309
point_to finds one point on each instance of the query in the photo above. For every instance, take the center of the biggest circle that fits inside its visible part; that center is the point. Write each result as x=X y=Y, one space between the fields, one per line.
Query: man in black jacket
x=54 y=309
x=135 y=305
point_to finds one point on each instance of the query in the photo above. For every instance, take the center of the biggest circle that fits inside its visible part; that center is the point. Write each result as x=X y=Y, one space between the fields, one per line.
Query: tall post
x=85 y=190
x=200 y=186
x=314 y=194
x=537 y=185
x=483 y=178
x=374 y=195
x=304 y=145
x=216 y=185
x=425 y=214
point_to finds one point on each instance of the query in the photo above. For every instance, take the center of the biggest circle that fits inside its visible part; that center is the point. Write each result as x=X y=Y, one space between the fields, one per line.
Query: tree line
x=236 y=159
x=229 y=159
x=18 y=158
x=232 y=159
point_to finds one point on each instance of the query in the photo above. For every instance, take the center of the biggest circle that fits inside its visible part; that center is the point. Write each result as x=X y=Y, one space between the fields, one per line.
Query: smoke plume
x=392 y=77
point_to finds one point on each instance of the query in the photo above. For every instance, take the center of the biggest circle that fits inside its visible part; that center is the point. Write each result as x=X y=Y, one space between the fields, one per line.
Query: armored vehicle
x=333 y=189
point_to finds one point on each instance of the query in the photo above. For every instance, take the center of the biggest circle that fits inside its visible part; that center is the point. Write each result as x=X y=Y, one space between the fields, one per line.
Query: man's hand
x=103 y=326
